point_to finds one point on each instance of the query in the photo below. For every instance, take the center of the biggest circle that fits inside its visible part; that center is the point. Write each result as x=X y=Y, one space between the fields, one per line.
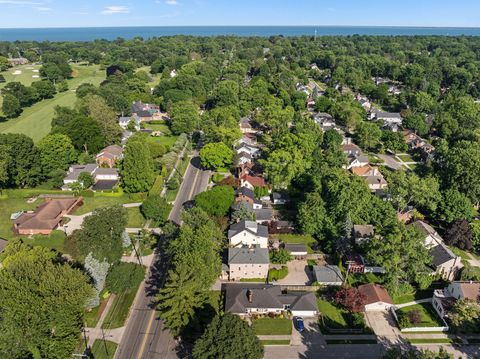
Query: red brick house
x=46 y=217
x=109 y=155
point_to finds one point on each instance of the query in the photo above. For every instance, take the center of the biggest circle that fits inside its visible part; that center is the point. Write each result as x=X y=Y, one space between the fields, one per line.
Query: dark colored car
x=299 y=325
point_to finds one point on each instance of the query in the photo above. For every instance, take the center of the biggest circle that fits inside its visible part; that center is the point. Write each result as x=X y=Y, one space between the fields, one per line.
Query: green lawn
x=103 y=349
x=167 y=138
x=55 y=240
x=91 y=317
x=332 y=315
x=430 y=341
x=272 y=326
x=118 y=312
x=410 y=297
x=135 y=218
x=309 y=241
x=35 y=121
x=460 y=253
x=275 y=342
x=429 y=317
x=253 y=280
x=25 y=77
x=91 y=203
x=9 y=206
x=406 y=158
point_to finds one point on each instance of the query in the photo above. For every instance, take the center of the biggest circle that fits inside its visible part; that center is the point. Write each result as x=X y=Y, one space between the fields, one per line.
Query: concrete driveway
x=298 y=273
x=384 y=326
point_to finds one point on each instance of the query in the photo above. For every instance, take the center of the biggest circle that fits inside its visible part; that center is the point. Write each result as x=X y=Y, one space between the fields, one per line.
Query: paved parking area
x=298 y=273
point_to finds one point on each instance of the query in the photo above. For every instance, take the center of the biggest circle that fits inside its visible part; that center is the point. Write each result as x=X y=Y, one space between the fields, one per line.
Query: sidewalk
x=114 y=335
x=426 y=300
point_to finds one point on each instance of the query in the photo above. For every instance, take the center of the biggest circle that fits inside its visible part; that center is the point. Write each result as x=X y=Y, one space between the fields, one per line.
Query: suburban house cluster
x=104 y=172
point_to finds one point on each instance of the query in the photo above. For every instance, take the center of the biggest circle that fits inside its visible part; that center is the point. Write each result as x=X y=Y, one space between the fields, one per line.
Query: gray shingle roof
x=263 y=214
x=327 y=274
x=265 y=296
x=296 y=248
x=248 y=256
x=251 y=226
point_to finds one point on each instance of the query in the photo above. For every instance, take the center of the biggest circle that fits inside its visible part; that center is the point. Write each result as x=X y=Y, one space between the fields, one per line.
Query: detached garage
x=298 y=251
x=376 y=297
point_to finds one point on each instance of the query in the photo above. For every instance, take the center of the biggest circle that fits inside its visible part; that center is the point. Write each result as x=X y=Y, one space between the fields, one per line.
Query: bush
x=281 y=256
x=173 y=184
x=403 y=320
x=415 y=316
x=277 y=274
x=124 y=276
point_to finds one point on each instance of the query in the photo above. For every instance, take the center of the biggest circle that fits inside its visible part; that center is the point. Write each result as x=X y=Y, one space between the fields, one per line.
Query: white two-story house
x=248 y=234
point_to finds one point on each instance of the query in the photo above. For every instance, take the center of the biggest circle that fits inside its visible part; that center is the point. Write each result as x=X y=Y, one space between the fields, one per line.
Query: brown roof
x=111 y=151
x=471 y=290
x=375 y=293
x=47 y=215
x=255 y=181
x=362 y=170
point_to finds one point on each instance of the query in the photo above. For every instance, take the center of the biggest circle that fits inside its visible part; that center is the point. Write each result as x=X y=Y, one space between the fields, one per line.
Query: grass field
x=103 y=349
x=25 y=77
x=410 y=297
x=429 y=317
x=9 y=206
x=35 y=121
x=91 y=203
x=135 y=218
x=272 y=326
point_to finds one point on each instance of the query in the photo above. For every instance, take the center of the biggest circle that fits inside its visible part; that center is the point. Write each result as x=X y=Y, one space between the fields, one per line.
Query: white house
x=357 y=161
x=251 y=150
x=248 y=233
x=444 y=299
x=444 y=261
x=104 y=178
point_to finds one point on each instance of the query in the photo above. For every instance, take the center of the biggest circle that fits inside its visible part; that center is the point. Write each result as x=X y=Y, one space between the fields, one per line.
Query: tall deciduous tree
x=11 y=106
x=137 y=167
x=216 y=155
x=24 y=169
x=106 y=118
x=101 y=234
x=185 y=117
x=228 y=336
x=180 y=297
x=42 y=304
x=368 y=135
x=216 y=201
x=56 y=153
x=156 y=208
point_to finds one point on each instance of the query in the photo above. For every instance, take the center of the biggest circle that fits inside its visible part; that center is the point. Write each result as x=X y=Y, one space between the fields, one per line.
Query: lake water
x=111 y=33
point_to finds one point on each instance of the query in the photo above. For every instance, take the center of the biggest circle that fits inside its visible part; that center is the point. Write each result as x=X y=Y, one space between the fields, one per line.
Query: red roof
x=375 y=293
x=255 y=181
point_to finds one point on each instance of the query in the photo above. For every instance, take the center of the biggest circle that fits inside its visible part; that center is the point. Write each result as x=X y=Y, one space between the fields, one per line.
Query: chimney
x=250 y=295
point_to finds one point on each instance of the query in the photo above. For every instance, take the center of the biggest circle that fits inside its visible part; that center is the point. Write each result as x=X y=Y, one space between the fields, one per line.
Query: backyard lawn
x=410 y=297
x=103 y=349
x=272 y=326
x=91 y=203
x=428 y=316
x=35 y=121
x=9 y=206
x=406 y=158
x=55 y=240
x=334 y=317
x=309 y=241
x=167 y=138
x=135 y=218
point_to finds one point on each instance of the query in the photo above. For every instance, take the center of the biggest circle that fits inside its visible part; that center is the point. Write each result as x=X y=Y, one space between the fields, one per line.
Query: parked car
x=299 y=325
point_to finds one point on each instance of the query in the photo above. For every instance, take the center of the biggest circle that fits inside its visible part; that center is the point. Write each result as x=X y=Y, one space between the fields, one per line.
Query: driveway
x=390 y=161
x=298 y=273
x=384 y=326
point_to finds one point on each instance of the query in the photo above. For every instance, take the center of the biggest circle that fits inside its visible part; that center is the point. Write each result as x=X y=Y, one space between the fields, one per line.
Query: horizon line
x=246 y=26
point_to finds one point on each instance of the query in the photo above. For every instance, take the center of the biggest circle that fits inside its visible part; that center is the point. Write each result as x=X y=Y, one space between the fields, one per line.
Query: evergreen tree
x=137 y=168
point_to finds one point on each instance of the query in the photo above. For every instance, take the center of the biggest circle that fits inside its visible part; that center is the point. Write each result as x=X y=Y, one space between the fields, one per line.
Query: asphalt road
x=145 y=336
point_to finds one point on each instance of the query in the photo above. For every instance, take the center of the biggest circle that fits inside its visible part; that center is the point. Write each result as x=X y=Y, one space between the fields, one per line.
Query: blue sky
x=84 y=13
